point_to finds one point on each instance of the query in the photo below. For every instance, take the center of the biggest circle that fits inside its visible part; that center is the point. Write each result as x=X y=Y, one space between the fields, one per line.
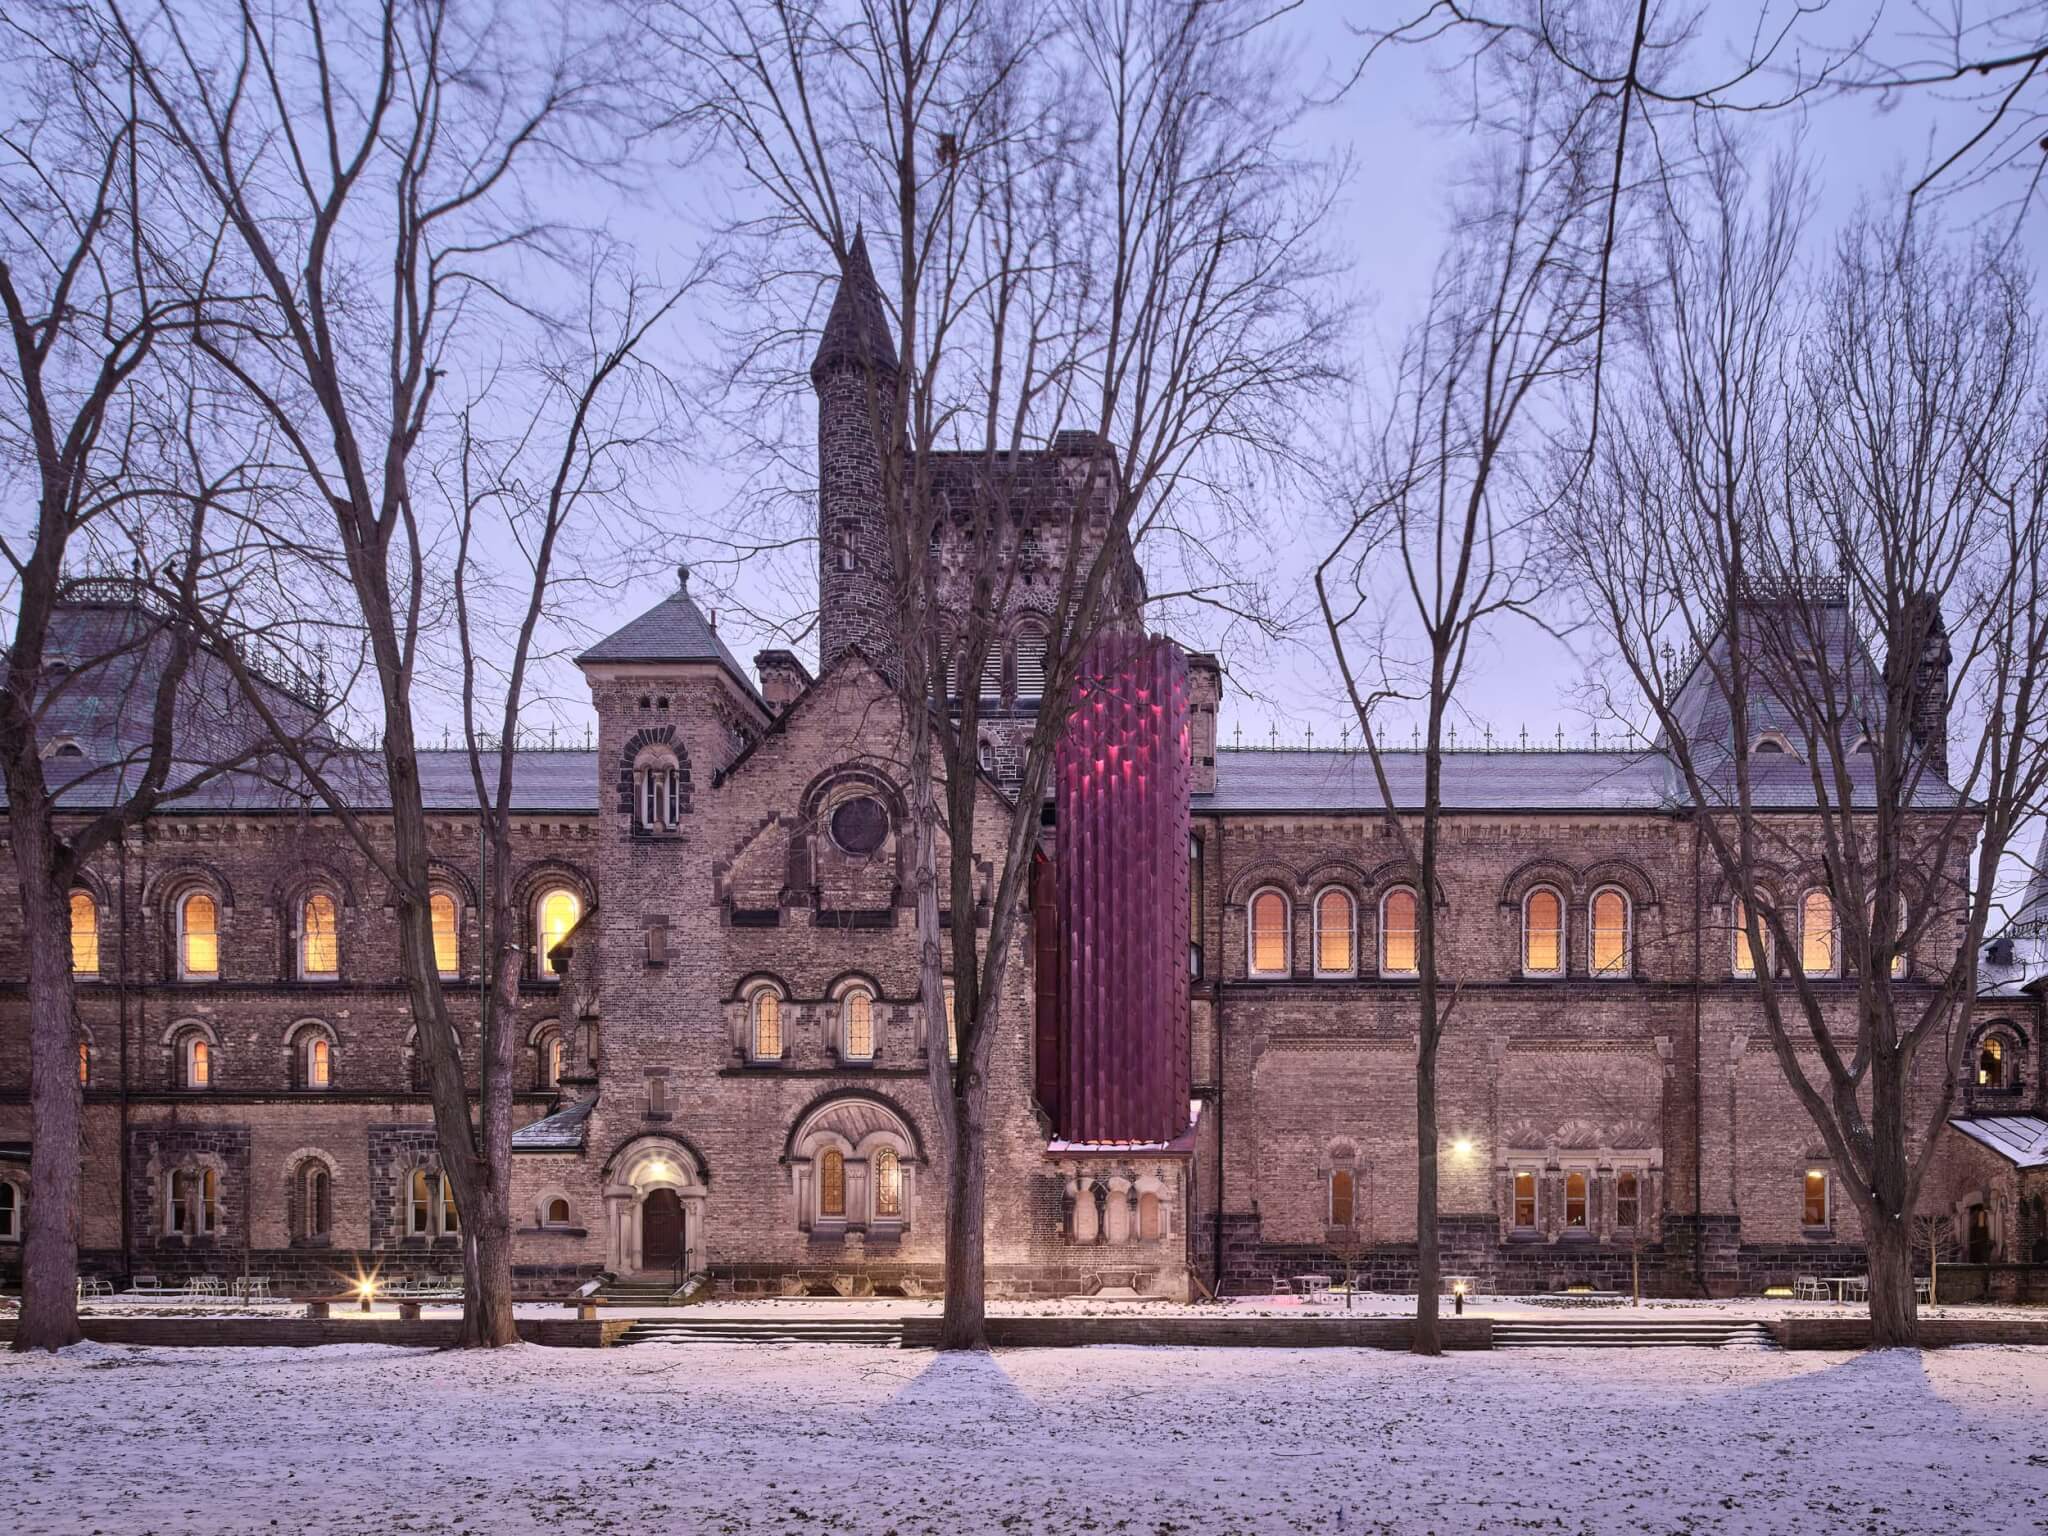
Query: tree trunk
x=1894 y=1311
x=487 y=1319
x=1428 y=1261
x=49 y=1261
x=964 y=1322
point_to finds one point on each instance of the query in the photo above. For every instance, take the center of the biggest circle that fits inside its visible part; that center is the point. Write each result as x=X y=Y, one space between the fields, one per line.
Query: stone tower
x=856 y=376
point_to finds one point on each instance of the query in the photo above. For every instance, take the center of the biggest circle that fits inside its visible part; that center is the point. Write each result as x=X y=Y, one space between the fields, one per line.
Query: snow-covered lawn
x=842 y=1441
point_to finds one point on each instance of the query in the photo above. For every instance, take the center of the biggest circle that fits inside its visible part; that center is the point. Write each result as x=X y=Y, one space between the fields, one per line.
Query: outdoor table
x=1309 y=1285
x=1841 y=1284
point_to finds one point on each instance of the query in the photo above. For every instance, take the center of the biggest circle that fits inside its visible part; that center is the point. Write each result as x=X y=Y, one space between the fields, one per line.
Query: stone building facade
x=725 y=1051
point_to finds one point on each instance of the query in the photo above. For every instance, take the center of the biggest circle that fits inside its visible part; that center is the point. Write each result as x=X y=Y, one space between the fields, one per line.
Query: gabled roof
x=674 y=629
x=856 y=332
x=560 y=1132
x=1255 y=780
x=2021 y=1140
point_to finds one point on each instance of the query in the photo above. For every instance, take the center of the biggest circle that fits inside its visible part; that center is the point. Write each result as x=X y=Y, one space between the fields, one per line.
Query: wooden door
x=1980 y=1235
x=661 y=1230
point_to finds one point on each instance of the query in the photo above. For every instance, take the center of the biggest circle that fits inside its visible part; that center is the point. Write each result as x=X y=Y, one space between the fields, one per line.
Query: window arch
x=1400 y=946
x=198 y=936
x=446 y=916
x=312 y=1201
x=555 y=1212
x=1994 y=1061
x=764 y=1023
x=1610 y=917
x=657 y=790
x=1336 y=932
x=1343 y=1197
x=13 y=1211
x=857 y=1024
x=430 y=1205
x=888 y=1175
x=319 y=946
x=832 y=1183
x=192 y=1058
x=1818 y=949
x=556 y=912
x=1266 y=932
x=1741 y=958
x=312 y=1057
x=192 y=1202
x=1543 y=932
x=1771 y=744
x=85 y=934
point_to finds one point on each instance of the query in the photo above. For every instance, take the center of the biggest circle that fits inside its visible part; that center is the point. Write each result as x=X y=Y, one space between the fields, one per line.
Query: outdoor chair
x=146 y=1285
x=1807 y=1288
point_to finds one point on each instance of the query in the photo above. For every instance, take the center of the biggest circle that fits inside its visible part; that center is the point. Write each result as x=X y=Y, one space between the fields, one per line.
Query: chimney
x=1205 y=694
x=783 y=678
x=1928 y=699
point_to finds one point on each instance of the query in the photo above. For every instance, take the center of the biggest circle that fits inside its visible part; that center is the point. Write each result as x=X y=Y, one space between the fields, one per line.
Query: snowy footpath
x=845 y=1441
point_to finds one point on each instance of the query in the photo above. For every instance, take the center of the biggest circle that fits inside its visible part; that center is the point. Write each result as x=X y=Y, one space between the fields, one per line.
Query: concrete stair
x=883 y=1332
x=1644 y=1333
x=639 y=1293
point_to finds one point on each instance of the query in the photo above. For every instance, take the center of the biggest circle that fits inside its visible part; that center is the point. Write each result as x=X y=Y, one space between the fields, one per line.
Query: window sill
x=1817 y=1234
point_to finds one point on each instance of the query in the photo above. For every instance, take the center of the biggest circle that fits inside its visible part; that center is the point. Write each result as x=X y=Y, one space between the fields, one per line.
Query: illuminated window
x=1610 y=925
x=1742 y=959
x=198 y=937
x=1575 y=1200
x=319 y=946
x=1628 y=1200
x=1398 y=939
x=832 y=1183
x=766 y=1008
x=1336 y=923
x=313 y=1199
x=1817 y=933
x=84 y=1064
x=1814 y=1207
x=1543 y=933
x=85 y=934
x=430 y=1205
x=557 y=1214
x=1525 y=1198
x=952 y=1025
x=1343 y=1197
x=551 y=1060
x=857 y=1011
x=316 y=1060
x=888 y=1174
x=193 y=1209
x=558 y=911
x=10 y=1213
x=1991 y=1063
x=447 y=933
x=1269 y=934
x=195 y=1060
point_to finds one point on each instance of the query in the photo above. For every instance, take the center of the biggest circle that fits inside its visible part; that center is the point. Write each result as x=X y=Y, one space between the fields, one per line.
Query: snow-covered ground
x=846 y=1441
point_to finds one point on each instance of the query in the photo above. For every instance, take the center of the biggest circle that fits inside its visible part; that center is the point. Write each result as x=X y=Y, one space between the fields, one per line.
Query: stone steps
x=886 y=1333
x=1658 y=1333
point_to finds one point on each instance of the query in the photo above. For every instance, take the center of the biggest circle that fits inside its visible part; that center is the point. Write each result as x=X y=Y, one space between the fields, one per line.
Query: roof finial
x=682 y=578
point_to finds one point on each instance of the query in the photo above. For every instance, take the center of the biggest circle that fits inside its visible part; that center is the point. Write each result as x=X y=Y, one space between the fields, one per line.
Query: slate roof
x=562 y=1131
x=674 y=629
x=1288 y=780
x=2015 y=959
x=856 y=331
x=2021 y=1140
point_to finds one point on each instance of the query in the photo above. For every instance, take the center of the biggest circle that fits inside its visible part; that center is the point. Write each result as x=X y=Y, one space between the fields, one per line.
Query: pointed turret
x=856 y=333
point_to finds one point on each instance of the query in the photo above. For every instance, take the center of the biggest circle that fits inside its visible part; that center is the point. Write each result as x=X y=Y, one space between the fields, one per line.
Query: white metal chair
x=1808 y=1288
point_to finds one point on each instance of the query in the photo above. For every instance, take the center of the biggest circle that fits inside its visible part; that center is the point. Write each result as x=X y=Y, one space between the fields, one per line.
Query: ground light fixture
x=367 y=1289
x=1458 y=1297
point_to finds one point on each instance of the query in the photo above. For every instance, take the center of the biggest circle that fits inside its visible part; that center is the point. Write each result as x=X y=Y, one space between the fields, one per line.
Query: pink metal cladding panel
x=1122 y=871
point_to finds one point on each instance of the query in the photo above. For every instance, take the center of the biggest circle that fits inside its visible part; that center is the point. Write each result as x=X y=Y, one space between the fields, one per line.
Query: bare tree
x=1432 y=550
x=1814 y=536
x=1091 y=220
x=379 y=172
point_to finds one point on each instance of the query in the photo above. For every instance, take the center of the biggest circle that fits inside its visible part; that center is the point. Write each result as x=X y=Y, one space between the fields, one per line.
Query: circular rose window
x=860 y=824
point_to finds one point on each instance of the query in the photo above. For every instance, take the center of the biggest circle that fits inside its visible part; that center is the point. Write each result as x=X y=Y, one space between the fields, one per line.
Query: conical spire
x=857 y=331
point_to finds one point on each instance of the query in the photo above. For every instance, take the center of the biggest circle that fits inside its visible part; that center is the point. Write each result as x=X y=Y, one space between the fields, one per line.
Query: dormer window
x=1771 y=744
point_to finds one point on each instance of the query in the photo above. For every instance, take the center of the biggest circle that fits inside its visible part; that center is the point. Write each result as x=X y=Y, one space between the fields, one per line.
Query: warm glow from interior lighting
x=1462 y=1146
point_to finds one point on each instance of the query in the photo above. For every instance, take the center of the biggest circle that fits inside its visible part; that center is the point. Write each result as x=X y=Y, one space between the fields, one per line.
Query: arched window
x=1610 y=920
x=1343 y=1197
x=765 y=1008
x=85 y=934
x=1268 y=933
x=193 y=1206
x=857 y=1024
x=985 y=755
x=1031 y=662
x=832 y=1183
x=11 y=1211
x=1575 y=1200
x=1817 y=933
x=1900 y=957
x=315 y=1058
x=319 y=941
x=657 y=792
x=1543 y=933
x=1151 y=1216
x=1991 y=1062
x=1771 y=744
x=1336 y=933
x=430 y=1205
x=1628 y=1200
x=952 y=1006
x=447 y=922
x=557 y=1212
x=1398 y=940
x=198 y=937
x=888 y=1174
x=551 y=1060
x=1742 y=959
x=555 y=914
x=194 y=1053
x=84 y=1063
x=313 y=1201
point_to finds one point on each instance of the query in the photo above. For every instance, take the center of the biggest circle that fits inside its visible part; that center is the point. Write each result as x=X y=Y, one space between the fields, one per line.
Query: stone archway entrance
x=661 y=1229
x=1977 y=1234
